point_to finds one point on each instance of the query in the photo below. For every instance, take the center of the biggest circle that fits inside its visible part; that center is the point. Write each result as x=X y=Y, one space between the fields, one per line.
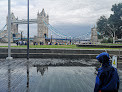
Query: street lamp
x=9 y=30
x=28 y=31
x=51 y=39
x=21 y=35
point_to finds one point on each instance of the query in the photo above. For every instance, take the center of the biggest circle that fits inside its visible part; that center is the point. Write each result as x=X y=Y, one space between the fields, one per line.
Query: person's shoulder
x=100 y=69
x=104 y=69
x=111 y=67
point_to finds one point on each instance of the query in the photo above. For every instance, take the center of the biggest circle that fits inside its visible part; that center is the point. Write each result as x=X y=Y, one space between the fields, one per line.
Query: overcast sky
x=69 y=17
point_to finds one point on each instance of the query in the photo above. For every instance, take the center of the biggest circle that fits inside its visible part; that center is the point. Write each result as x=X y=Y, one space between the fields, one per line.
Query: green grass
x=58 y=46
x=47 y=46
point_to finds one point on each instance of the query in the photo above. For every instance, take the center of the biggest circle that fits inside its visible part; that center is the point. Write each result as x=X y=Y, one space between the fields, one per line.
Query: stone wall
x=56 y=53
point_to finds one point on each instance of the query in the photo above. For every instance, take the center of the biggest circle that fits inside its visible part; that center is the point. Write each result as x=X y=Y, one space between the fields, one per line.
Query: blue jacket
x=107 y=79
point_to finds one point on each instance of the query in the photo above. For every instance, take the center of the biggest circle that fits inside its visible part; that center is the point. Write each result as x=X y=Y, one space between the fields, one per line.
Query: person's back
x=107 y=79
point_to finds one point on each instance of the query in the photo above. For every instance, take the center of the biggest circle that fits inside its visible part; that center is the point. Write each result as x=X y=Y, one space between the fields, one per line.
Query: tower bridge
x=43 y=27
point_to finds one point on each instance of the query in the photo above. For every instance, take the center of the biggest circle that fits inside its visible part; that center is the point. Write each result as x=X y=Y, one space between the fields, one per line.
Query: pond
x=47 y=75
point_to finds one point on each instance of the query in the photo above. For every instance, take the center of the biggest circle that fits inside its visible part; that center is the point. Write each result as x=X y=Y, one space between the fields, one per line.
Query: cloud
x=69 y=12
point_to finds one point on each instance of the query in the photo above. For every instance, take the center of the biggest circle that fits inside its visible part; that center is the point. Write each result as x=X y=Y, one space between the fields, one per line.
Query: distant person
x=40 y=43
x=48 y=43
x=20 y=42
x=17 y=43
x=34 y=43
x=70 y=42
x=107 y=79
x=25 y=43
x=56 y=43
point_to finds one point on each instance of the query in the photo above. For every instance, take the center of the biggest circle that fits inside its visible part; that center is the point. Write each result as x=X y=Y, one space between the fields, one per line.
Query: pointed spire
x=47 y=16
x=38 y=12
x=43 y=12
x=12 y=13
x=94 y=26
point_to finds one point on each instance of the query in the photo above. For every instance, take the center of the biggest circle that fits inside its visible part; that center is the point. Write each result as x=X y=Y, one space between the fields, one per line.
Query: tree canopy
x=113 y=23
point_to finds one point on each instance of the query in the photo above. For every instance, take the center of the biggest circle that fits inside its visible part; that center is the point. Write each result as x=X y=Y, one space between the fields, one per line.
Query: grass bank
x=58 y=46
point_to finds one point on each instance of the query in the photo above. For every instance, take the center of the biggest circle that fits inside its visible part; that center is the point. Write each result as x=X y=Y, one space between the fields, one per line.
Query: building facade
x=42 y=23
x=94 y=38
x=42 y=29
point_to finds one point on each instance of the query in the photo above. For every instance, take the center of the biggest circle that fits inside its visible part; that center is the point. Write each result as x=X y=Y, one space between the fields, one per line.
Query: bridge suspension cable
x=83 y=36
x=51 y=28
x=54 y=30
x=3 y=28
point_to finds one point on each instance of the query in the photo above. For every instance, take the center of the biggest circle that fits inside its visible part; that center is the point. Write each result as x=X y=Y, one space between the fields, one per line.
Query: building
x=94 y=38
x=42 y=29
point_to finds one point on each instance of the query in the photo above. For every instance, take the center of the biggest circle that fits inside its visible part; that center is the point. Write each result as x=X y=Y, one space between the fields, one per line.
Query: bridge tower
x=14 y=27
x=42 y=29
x=94 y=38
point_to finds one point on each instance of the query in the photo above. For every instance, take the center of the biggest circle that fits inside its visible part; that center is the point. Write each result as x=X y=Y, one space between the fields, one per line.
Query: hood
x=103 y=58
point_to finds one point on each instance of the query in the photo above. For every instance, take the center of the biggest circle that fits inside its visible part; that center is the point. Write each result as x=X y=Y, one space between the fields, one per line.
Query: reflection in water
x=9 y=78
x=23 y=77
x=41 y=69
x=27 y=76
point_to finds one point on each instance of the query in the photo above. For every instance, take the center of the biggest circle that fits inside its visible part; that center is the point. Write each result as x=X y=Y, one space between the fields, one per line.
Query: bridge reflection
x=41 y=69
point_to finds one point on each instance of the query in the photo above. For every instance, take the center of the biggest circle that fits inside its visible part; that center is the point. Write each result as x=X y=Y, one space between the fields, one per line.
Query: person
x=40 y=43
x=107 y=79
x=17 y=43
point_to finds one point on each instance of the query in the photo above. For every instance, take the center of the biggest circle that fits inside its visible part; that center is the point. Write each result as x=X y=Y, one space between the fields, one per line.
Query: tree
x=102 y=27
x=115 y=19
x=101 y=24
x=112 y=24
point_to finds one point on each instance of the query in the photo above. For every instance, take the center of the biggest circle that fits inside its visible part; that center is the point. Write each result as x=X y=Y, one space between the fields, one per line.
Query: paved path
x=6 y=44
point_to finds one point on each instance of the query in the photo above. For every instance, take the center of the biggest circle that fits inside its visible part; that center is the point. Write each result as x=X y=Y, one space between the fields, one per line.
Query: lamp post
x=51 y=38
x=9 y=30
x=70 y=39
x=28 y=31
x=21 y=35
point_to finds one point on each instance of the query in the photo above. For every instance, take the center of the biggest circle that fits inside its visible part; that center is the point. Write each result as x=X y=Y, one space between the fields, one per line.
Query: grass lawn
x=58 y=46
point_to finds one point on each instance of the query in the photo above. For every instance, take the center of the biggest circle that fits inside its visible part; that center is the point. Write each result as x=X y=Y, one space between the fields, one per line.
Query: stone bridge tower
x=42 y=20
x=14 y=27
x=94 y=38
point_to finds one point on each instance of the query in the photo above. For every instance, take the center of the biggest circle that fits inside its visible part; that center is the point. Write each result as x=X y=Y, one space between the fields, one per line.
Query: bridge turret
x=42 y=20
x=38 y=13
x=94 y=38
x=14 y=27
x=43 y=13
x=47 y=17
